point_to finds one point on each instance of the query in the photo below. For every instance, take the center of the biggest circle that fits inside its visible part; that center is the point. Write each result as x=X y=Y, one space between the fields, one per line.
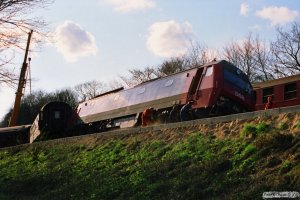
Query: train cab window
x=209 y=71
x=290 y=91
x=267 y=92
x=56 y=114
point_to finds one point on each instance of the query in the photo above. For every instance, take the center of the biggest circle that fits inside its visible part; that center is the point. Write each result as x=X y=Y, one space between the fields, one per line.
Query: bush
x=252 y=131
x=249 y=130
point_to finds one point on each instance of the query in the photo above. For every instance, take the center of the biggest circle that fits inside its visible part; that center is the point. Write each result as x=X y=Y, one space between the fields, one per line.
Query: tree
x=89 y=90
x=32 y=104
x=286 y=51
x=251 y=56
x=198 y=54
x=15 y=23
x=170 y=66
x=264 y=62
x=138 y=76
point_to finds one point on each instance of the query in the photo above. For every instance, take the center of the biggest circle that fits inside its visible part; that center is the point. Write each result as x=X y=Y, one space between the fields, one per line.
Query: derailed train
x=217 y=88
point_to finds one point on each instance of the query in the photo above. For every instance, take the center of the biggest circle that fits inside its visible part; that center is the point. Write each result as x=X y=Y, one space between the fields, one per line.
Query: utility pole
x=21 y=84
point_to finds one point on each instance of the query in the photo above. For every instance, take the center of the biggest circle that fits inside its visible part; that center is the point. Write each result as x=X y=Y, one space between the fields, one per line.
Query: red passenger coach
x=284 y=92
x=217 y=88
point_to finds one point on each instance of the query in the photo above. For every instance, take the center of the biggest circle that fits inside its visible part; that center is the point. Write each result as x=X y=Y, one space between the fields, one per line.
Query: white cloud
x=278 y=15
x=126 y=6
x=168 y=39
x=74 y=42
x=244 y=9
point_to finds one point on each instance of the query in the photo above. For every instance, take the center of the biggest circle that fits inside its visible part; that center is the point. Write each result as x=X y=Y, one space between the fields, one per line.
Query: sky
x=102 y=39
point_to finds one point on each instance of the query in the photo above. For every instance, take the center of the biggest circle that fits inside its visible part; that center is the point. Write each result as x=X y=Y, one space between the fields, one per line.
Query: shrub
x=249 y=130
x=262 y=128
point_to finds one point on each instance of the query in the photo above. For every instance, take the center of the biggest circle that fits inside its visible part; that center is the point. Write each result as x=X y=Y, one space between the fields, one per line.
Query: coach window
x=267 y=92
x=290 y=91
x=57 y=115
x=209 y=71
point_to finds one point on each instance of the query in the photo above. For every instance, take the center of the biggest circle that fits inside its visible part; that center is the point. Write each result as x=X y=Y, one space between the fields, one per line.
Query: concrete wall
x=139 y=130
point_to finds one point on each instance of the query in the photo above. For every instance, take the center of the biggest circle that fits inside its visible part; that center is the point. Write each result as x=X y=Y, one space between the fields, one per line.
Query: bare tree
x=242 y=55
x=286 y=51
x=138 y=76
x=264 y=62
x=250 y=55
x=170 y=66
x=89 y=90
x=15 y=23
x=198 y=54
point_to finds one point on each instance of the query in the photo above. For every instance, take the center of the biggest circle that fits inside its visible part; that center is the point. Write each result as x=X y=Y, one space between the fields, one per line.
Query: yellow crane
x=21 y=84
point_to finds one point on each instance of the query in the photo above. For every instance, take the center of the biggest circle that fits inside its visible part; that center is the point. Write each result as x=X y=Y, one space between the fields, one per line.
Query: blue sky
x=102 y=39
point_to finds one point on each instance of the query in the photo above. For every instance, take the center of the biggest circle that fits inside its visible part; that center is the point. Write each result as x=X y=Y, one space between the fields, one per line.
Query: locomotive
x=216 y=88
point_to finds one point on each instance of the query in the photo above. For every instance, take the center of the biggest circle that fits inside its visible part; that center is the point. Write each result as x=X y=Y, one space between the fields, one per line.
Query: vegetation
x=177 y=165
x=32 y=104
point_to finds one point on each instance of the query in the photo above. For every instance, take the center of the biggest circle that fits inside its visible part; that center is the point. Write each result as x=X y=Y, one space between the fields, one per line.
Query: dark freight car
x=52 y=121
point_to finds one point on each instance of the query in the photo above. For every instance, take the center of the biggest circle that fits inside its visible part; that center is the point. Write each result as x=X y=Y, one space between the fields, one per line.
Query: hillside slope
x=235 y=160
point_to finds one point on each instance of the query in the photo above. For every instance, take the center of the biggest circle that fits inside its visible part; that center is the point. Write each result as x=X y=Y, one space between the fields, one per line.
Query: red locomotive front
x=220 y=88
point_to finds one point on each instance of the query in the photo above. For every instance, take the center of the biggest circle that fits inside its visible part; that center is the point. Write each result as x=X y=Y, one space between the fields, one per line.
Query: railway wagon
x=283 y=91
x=16 y=135
x=53 y=121
x=217 y=88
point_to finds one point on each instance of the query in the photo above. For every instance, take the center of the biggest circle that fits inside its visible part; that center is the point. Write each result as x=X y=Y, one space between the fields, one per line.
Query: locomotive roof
x=274 y=82
x=145 y=82
x=200 y=66
x=54 y=103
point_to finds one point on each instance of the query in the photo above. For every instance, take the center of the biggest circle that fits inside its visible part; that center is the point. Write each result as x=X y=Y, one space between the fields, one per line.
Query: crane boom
x=22 y=80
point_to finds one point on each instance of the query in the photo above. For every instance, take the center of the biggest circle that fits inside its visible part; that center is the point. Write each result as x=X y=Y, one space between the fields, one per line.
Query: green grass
x=252 y=131
x=196 y=167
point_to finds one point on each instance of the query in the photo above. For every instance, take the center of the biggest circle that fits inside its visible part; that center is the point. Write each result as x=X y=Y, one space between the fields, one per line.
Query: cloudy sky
x=102 y=39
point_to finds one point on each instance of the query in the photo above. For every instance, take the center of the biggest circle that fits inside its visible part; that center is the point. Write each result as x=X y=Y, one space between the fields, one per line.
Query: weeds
x=283 y=126
x=252 y=131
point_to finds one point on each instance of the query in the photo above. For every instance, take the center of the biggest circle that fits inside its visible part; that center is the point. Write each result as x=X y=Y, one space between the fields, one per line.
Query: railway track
x=159 y=127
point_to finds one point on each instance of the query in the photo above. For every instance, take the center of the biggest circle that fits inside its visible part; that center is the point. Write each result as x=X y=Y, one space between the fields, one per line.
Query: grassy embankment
x=173 y=164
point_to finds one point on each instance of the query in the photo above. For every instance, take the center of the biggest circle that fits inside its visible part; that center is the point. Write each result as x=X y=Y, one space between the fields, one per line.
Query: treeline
x=31 y=105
